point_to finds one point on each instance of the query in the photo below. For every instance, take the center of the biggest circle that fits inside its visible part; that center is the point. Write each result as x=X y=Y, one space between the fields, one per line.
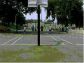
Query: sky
x=34 y=14
x=43 y=15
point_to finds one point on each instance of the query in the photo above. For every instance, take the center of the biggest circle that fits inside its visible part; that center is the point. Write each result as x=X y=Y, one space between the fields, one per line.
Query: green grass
x=32 y=54
x=81 y=31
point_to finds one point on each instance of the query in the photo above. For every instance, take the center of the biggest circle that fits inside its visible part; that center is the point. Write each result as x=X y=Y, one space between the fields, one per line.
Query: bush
x=4 y=28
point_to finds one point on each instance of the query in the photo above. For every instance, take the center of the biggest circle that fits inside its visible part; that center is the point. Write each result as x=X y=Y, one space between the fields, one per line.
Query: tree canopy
x=10 y=8
x=67 y=11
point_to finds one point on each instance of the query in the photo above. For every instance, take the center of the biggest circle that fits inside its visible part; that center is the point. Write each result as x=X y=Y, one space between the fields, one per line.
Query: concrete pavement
x=71 y=44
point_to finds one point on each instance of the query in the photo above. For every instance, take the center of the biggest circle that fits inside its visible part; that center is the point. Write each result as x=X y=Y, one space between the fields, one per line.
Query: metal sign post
x=38 y=11
x=38 y=3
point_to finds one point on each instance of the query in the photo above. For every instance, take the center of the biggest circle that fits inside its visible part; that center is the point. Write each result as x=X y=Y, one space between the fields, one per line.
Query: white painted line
x=26 y=44
x=17 y=40
x=9 y=41
x=79 y=44
x=56 y=40
x=65 y=41
x=53 y=38
x=61 y=39
x=16 y=44
x=63 y=44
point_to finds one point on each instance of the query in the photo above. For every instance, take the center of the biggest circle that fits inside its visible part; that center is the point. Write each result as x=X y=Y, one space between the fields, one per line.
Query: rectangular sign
x=34 y=3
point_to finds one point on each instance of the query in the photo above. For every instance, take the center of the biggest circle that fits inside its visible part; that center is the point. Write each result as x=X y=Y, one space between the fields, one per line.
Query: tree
x=20 y=20
x=9 y=8
x=64 y=10
x=77 y=14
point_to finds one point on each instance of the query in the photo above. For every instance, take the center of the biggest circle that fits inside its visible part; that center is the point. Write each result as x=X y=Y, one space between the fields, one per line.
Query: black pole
x=15 y=24
x=38 y=25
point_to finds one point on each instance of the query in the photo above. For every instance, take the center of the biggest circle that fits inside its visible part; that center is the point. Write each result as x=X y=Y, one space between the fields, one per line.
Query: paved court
x=49 y=39
x=71 y=44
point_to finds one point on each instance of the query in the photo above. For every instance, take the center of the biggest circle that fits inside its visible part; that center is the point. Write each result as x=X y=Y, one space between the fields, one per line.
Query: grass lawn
x=81 y=31
x=30 y=54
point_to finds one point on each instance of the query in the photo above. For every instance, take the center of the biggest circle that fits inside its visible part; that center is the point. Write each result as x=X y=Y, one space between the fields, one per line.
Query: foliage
x=66 y=11
x=10 y=8
x=20 y=19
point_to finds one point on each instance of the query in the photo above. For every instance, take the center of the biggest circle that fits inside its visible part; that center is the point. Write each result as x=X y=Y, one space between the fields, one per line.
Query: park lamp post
x=68 y=20
x=16 y=22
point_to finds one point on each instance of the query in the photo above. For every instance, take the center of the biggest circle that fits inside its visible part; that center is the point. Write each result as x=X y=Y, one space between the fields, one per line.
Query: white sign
x=34 y=3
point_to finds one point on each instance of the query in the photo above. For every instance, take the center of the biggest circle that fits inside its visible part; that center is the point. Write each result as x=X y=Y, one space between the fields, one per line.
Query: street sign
x=32 y=3
x=35 y=3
